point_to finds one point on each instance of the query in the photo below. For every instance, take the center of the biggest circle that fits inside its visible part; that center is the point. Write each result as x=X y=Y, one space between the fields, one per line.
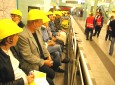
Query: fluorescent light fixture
x=92 y=3
x=63 y=1
x=73 y=8
x=79 y=1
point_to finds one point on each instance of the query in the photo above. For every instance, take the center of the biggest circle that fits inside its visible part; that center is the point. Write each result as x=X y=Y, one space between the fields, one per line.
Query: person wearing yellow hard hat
x=10 y=73
x=54 y=30
x=51 y=23
x=59 y=27
x=50 y=15
x=16 y=16
x=89 y=26
x=32 y=47
x=53 y=48
x=57 y=20
x=56 y=37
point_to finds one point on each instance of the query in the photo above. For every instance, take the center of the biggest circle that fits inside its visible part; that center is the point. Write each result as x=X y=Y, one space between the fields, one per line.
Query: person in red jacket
x=89 y=26
x=98 y=24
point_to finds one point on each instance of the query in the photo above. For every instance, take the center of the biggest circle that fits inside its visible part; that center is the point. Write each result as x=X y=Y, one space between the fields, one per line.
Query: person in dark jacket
x=16 y=16
x=57 y=22
x=10 y=73
x=112 y=25
x=108 y=33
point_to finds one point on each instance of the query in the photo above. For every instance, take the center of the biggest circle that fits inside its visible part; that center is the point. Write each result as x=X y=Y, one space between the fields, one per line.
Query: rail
x=78 y=63
x=86 y=76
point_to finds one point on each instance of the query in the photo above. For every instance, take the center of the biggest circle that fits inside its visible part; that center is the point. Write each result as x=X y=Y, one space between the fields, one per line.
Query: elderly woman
x=10 y=73
x=16 y=16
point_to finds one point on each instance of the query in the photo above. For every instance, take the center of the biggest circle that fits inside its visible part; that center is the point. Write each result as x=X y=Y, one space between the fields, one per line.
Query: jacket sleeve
x=102 y=21
x=86 y=23
x=94 y=22
x=15 y=82
x=25 y=51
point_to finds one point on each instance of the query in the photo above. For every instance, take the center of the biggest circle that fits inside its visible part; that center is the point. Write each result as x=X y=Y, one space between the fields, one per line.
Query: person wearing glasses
x=16 y=16
x=10 y=72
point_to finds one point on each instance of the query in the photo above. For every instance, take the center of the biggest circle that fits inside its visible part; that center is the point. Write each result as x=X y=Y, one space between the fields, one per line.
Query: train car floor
x=59 y=77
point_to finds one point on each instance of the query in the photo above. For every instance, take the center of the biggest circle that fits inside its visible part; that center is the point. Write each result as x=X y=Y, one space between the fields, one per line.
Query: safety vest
x=90 y=22
x=99 y=21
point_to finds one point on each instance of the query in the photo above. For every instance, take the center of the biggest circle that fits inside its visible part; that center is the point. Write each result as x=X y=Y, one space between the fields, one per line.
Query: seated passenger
x=57 y=21
x=10 y=73
x=60 y=34
x=52 y=47
x=32 y=48
x=16 y=16
x=51 y=16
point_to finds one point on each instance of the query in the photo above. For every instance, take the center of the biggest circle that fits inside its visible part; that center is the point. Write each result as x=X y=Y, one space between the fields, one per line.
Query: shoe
x=76 y=33
x=94 y=34
x=110 y=54
x=65 y=60
x=60 y=70
x=97 y=36
x=91 y=39
x=109 y=39
x=87 y=39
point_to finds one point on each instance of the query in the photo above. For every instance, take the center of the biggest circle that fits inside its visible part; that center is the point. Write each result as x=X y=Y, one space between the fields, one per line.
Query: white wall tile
x=5 y=8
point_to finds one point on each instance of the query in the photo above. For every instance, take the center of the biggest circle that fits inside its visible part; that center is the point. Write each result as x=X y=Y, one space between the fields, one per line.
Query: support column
x=17 y=3
x=110 y=7
x=87 y=8
x=95 y=6
x=47 y=5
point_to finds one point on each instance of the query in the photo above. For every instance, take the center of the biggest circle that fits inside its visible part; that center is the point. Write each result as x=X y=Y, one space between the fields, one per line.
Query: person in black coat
x=16 y=16
x=112 y=26
x=109 y=31
x=10 y=72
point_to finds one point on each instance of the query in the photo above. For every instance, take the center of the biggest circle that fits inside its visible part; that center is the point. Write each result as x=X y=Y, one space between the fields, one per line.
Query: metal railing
x=85 y=73
x=78 y=63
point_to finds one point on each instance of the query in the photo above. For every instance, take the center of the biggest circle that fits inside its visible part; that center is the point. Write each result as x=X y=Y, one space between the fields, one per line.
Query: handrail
x=78 y=63
x=81 y=75
x=84 y=68
x=81 y=64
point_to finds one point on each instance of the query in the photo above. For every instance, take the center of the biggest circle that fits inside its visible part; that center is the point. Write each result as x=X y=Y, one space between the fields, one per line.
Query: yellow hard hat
x=35 y=14
x=58 y=13
x=8 y=28
x=54 y=15
x=55 y=12
x=89 y=12
x=46 y=19
x=54 y=4
x=66 y=14
x=49 y=13
x=17 y=12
